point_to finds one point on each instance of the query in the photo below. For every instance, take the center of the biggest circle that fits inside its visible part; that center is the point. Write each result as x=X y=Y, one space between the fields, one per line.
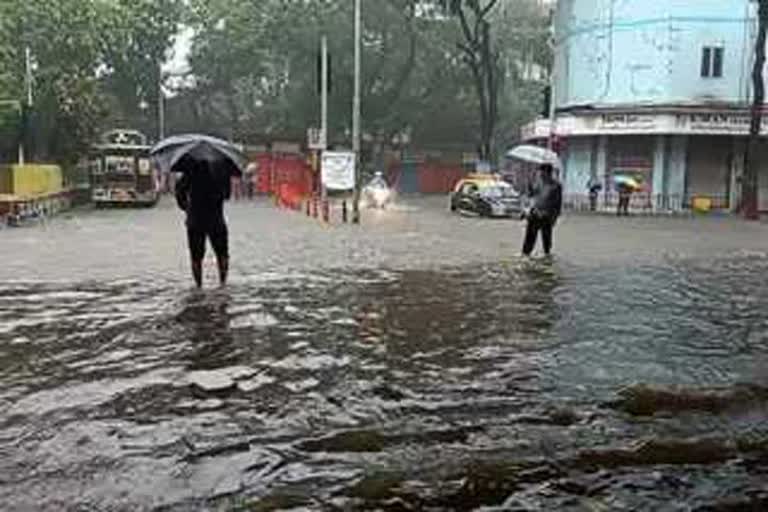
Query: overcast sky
x=177 y=62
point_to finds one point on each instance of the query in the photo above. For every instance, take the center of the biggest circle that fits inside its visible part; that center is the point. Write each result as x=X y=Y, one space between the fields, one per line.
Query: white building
x=656 y=90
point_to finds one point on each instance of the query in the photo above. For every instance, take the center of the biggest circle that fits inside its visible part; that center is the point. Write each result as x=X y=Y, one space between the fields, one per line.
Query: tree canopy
x=253 y=70
x=90 y=59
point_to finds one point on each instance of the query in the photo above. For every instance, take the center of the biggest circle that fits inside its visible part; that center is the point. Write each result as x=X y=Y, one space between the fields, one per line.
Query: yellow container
x=35 y=180
x=702 y=204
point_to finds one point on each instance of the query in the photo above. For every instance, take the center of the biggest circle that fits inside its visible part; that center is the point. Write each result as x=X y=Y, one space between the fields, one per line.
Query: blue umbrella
x=180 y=152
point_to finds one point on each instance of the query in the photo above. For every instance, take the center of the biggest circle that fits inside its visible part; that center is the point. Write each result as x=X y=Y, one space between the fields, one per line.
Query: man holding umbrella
x=547 y=197
x=546 y=209
x=207 y=166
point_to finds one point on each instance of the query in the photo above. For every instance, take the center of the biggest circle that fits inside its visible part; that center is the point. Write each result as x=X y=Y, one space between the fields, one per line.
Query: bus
x=121 y=171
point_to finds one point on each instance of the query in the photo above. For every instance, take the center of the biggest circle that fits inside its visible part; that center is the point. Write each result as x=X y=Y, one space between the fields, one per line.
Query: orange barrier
x=275 y=170
x=290 y=195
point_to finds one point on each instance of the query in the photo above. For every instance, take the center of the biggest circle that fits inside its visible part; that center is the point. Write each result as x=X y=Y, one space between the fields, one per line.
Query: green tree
x=136 y=36
x=255 y=64
x=61 y=39
x=254 y=71
x=483 y=58
x=523 y=38
x=79 y=49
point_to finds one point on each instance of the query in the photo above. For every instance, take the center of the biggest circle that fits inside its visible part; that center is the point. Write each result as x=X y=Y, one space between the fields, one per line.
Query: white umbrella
x=535 y=155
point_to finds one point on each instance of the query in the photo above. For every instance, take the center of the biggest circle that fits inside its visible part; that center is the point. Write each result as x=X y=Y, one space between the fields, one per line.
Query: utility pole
x=26 y=105
x=356 y=128
x=160 y=106
x=28 y=74
x=552 y=87
x=323 y=107
x=751 y=164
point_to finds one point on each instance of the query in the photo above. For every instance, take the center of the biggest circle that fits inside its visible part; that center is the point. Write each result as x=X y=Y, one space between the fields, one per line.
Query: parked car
x=486 y=196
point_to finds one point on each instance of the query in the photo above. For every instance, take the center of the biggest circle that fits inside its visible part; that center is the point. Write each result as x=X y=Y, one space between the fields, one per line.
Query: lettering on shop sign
x=716 y=123
x=627 y=122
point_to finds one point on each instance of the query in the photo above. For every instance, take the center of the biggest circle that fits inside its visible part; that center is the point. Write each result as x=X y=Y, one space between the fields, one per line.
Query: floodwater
x=506 y=385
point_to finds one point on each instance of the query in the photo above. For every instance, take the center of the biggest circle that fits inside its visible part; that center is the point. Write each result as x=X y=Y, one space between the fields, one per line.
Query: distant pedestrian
x=251 y=171
x=201 y=194
x=546 y=209
x=594 y=188
x=625 y=197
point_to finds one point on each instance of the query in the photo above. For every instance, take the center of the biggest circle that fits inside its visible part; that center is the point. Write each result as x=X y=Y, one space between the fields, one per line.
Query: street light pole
x=160 y=109
x=552 y=89
x=26 y=106
x=28 y=74
x=356 y=128
x=323 y=107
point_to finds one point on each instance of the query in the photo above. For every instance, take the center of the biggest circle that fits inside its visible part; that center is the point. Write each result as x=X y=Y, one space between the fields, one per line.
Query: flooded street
x=412 y=364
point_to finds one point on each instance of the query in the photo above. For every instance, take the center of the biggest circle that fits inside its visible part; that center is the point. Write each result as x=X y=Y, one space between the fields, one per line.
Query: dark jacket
x=201 y=195
x=548 y=201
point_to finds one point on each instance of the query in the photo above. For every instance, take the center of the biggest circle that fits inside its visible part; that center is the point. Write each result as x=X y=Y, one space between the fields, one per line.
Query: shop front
x=676 y=158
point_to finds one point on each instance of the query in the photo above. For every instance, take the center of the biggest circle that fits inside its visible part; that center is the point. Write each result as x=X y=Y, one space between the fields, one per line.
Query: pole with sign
x=338 y=170
x=324 y=104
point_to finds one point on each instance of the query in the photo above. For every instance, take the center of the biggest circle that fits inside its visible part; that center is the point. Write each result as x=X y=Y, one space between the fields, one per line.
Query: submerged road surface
x=413 y=363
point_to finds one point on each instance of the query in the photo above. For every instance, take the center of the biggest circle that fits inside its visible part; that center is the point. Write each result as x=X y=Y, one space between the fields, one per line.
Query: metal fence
x=646 y=204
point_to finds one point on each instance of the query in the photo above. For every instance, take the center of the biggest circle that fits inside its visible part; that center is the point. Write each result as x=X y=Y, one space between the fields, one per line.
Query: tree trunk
x=491 y=93
x=479 y=55
x=751 y=162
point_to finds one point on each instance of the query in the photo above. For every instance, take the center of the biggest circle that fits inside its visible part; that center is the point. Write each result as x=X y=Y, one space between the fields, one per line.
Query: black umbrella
x=182 y=153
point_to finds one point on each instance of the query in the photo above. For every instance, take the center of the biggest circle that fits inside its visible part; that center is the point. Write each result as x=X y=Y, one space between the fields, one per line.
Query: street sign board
x=338 y=170
x=315 y=139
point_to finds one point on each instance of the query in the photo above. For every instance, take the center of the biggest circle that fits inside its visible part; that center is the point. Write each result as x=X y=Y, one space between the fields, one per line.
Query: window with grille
x=712 y=61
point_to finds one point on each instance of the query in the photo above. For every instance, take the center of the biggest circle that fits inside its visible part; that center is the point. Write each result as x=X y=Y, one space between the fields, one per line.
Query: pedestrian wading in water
x=201 y=194
x=546 y=209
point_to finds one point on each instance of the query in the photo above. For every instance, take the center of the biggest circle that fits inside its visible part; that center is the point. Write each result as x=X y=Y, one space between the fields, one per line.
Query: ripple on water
x=477 y=386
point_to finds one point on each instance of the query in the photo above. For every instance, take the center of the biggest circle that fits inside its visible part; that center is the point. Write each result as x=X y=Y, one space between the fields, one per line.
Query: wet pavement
x=415 y=363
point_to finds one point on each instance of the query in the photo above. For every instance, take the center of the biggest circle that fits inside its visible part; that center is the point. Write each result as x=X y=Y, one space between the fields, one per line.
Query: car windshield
x=498 y=190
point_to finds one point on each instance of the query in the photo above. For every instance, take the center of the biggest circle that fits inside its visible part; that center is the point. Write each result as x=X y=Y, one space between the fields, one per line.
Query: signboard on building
x=716 y=123
x=338 y=170
x=689 y=123
x=624 y=122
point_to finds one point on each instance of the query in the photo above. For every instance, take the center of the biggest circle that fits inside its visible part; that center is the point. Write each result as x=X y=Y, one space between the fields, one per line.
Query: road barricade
x=290 y=195
x=16 y=210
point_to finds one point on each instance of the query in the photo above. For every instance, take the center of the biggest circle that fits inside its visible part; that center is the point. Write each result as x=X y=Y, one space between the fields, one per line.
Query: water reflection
x=203 y=321
x=424 y=311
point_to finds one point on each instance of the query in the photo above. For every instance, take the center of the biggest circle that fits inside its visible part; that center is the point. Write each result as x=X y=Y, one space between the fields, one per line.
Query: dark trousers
x=218 y=235
x=623 y=208
x=536 y=224
x=593 y=201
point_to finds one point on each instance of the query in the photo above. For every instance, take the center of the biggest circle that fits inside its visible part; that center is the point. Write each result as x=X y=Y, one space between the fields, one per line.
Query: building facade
x=659 y=91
